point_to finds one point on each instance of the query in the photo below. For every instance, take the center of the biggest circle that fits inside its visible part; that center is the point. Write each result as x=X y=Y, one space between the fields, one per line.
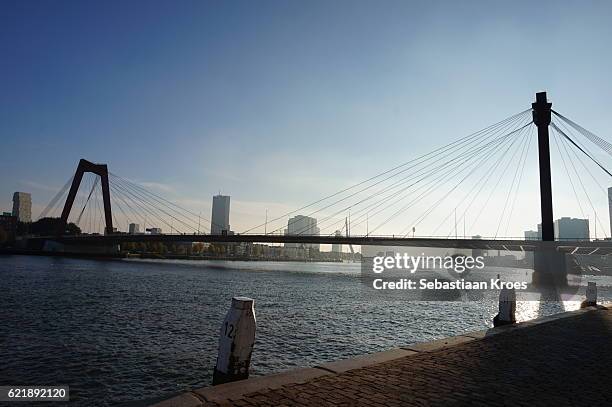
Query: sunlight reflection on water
x=121 y=331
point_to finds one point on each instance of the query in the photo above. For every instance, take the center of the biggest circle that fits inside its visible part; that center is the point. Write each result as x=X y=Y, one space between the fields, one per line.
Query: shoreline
x=153 y=256
x=440 y=355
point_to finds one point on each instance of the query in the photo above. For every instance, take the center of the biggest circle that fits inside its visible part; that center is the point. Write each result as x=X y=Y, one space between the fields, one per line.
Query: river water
x=131 y=332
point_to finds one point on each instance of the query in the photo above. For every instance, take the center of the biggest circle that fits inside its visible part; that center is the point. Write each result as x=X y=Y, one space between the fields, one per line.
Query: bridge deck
x=556 y=363
x=598 y=247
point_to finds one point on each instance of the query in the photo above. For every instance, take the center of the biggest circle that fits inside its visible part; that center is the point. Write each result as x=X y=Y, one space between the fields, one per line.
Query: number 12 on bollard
x=236 y=340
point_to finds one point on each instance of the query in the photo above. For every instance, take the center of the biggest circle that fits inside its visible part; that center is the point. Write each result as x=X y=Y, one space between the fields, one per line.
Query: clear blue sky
x=278 y=102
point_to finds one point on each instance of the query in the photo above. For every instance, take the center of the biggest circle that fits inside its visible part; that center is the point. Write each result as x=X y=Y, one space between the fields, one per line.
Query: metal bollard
x=591 y=296
x=507 y=307
x=236 y=340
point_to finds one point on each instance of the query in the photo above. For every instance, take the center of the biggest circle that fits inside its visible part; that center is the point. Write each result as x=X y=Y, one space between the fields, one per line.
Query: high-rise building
x=305 y=226
x=337 y=247
x=134 y=228
x=572 y=229
x=220 y=215
x=22 y=206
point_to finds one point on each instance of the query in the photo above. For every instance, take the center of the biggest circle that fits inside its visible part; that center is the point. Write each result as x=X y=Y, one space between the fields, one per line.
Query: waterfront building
x=154 y=231
x=134 y=228
x=532 y=235
x=220 y=215
x=22 y=206
x=8 y=223
x=305 y=226
x=572 y=229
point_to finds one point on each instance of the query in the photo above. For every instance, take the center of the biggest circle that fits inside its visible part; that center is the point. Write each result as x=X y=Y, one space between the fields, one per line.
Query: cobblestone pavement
x=565 y=362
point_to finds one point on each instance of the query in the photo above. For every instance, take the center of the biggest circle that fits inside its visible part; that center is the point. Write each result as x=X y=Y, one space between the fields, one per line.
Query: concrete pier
x=557 y=360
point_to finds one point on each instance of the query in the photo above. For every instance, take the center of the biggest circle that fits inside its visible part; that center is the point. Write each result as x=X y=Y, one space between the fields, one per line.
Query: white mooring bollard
x=591 y=296
x=236 y=340
x=507 y=307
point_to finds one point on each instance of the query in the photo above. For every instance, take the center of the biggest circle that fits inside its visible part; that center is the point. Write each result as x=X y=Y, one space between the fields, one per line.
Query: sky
x=279 y=103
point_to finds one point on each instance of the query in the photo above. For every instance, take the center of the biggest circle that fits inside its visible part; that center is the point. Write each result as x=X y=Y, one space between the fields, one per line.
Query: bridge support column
x=541 y=118
x=549 y=272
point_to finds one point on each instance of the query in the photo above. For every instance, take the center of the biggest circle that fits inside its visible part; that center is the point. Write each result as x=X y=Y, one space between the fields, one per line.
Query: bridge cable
x=154 y=209
x=396 y=197
x=529 y=142
x=601 y=143
x=466 y=160
x=163 y=209
x=565 y=145
x=384 y=173
x=79 y=199
x=123 y=196
x=140 y=202
x=401 y=181
x=486 y=202
x=558 y=143
x=424 y=215
x=580 y=148
x=136 y=194
x=453 y=171
x=414 y=224
x=88 y=198
x=55 y=199
x=568 y=130
x=117 y=204
x=134 y=212
x=507 y=200
x=168 y=204
x=480 y=184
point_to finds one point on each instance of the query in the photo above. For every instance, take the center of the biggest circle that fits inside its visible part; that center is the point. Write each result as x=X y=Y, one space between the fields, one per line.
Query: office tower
x=22 y=206
x=572 y=229
x=304 y=226
x=134 y=228
x=220 y=215
x=533 y=235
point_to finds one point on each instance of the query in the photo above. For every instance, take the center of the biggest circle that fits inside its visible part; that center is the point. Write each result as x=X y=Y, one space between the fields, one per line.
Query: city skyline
x=166 y=104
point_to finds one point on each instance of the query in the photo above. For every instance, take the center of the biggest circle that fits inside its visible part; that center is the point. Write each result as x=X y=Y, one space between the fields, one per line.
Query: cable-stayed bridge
x=462 y=176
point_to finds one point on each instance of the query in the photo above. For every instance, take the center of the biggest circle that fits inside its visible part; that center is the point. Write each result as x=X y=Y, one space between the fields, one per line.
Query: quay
x=558 y=360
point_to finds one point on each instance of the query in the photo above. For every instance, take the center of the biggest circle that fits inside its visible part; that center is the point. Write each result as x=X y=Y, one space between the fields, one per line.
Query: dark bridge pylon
x=102 y=171
x=541 y=118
